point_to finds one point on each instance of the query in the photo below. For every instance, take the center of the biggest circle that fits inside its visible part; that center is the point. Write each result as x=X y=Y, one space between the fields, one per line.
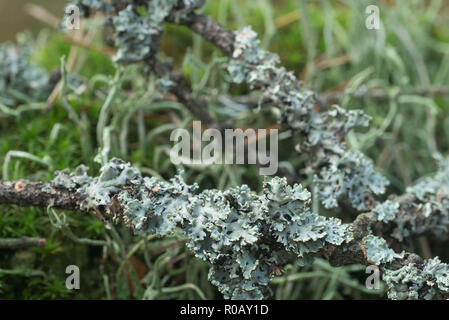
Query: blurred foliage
x=325 y=43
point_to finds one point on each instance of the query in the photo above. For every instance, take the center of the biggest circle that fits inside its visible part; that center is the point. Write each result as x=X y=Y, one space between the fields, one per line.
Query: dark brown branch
x=196 y=106
x=210 y=30
x=38 y=194
x=381 y=95
x=21 y=243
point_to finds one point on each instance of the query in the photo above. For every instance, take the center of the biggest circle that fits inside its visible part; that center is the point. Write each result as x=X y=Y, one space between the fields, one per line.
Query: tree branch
x=209 y=29
x=20 y=243
x=196 y=106
x=38 y=194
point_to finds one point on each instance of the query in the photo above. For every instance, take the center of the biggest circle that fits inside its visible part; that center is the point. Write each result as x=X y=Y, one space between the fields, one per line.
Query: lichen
x=427 y=208
x=344 y=174
x=386 y=211
x=72 y=180
x=377 y=250
x=138 y=25
x=430 y=188
x=404 y=283
x=352 y=177
x=413 y=281
x=246 y=237
x=132 y=37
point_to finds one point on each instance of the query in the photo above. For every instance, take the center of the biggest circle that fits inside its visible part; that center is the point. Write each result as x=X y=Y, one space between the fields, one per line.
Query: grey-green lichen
x=246 y=237
x=427 y=281
x=386 y=211
x=436 y=186
x=344 y=174
x=21 y=82
x=137 y=28
x=433 y=206
x=349 y=176
x=164 y=84
x=377 y=250
x=138 y=24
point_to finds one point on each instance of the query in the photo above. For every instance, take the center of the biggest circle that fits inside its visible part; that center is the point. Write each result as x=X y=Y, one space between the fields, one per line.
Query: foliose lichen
x=137 y=29
x=377 y=250
x=386 y=211
x=246 y=237
x=132 y=37
x=349 y=176
x=137 y=24
x=436 y=186
x=21 y=81
x=426 y=209
x=345 y=174
x=413 y=281
x=86 y=5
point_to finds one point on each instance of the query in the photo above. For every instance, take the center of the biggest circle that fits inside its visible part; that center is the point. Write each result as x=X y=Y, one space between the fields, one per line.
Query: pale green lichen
x=386 y=211
x=138 y=25
x=404 y=283
x=412 y=281
x=246 y=237
x=132 y=37
x=21 y=82
x=429 y=212
x=164 y=84
x=377 y=250
x=86 y=5
x=350 y=176
x=72 y=180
